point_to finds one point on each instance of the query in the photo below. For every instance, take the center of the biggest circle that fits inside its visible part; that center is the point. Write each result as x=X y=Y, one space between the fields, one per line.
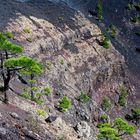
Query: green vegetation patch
x=27 y=30
x=62 y=61
x=83 y=97
x=138 y=33
x=115 y=131
x=99 y=10
x=135 y=19
x=123 y=96
x=136 y=115
x=41 y=112
x=105 y=105
x=105 y=42
x=104 y=118
x=25 y=95
x=49 y=64
x=9 y=35
x=130 y=6
x=113 y=31
x=47 y=90
x=64 y=104
x=38 y=101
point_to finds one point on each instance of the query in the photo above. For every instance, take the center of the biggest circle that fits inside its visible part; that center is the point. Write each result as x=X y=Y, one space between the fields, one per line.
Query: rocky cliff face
x=67 y=44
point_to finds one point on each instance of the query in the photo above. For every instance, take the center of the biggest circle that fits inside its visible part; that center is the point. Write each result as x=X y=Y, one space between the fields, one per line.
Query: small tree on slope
x=114 y=132
x=12 y=62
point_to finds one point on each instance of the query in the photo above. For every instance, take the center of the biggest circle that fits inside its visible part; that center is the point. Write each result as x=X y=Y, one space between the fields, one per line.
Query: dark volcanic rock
x=51 y=119
x=137 y=7
x=92 y=13
x=138 y=50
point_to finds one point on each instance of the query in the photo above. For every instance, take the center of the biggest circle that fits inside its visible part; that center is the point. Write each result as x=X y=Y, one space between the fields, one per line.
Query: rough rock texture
x=67 y=44
x=14 y=115
x=83 y=129
x=50 y=119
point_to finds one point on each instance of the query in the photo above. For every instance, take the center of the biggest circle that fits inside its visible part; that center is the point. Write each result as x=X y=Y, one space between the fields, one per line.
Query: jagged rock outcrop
x=83 y=129
x=67 y=44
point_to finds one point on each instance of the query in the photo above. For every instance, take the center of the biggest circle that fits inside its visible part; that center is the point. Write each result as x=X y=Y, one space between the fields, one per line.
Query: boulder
x=83 y=129
x=15 y=115
x=51 y=119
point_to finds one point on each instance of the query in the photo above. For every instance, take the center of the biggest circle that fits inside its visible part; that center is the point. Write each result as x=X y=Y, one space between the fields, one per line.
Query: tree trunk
x=6 y=87
x=5 y=97
x=6 y=76
x=32 y=93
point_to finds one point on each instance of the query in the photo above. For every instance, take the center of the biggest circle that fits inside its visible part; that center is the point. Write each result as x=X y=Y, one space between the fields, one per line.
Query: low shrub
x=47 y=90
x=38 y=101
x=25 y=95
x=123 y=96
x=136 y=115
x=112 y=30
x=61 y=18
x=9 y=35
x=102 y=125
x=104 y=118
x=135 y=19
x=62 y=61
x=41 y=113
x=105 y=105
x=27 y=30
x=105 y=42
x=64 y=104
x=99 y=10
x=49 y=64
x=83 y=97
x=138 y=33
x=130 y=6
